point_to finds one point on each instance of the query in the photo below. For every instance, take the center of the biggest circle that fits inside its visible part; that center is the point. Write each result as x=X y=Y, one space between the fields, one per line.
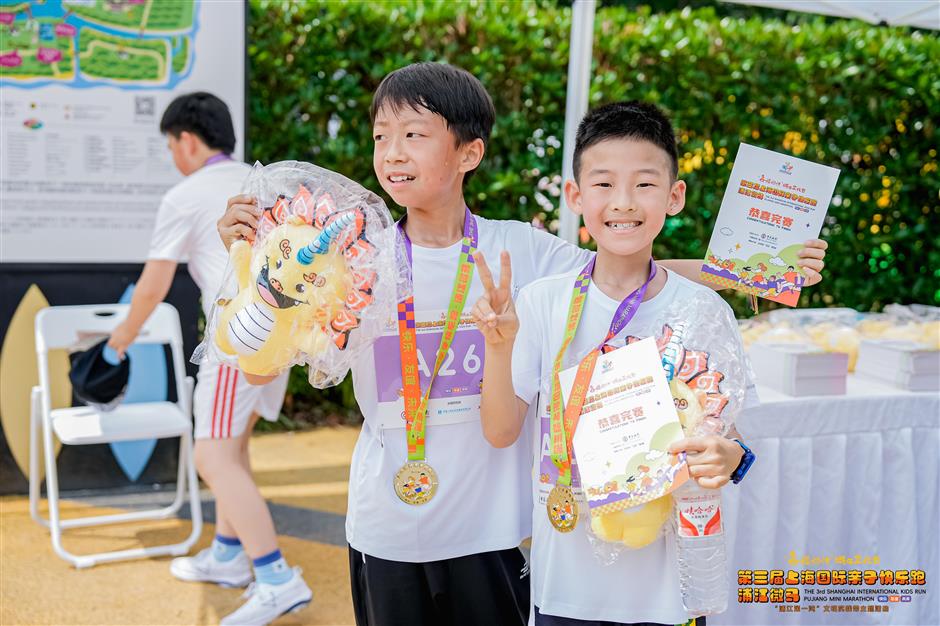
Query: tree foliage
x=862 y=98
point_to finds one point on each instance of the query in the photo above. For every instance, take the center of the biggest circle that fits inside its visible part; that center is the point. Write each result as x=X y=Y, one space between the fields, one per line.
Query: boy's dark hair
x=626 y=120
x=204 y=115
x=448 y=91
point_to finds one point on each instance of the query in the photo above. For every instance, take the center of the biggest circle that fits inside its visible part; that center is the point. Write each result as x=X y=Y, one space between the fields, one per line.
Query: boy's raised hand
x=240 y=220
x=495 y=313
x=811 y=260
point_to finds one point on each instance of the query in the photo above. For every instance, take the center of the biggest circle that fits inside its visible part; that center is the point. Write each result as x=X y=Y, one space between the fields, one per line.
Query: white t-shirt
x=483 y=500
x=567 y=578
x=185 y=228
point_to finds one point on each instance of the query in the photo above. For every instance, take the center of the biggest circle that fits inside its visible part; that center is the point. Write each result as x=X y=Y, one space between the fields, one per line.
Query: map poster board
x=83 y=84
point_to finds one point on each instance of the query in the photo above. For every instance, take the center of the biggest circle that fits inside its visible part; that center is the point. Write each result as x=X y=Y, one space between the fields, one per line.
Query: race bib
x=455 y=396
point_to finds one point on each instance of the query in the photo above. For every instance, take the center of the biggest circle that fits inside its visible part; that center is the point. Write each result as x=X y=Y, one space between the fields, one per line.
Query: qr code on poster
x=144 y=106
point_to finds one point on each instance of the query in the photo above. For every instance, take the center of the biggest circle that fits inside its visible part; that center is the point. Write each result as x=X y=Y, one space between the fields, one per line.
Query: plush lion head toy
x=301 y=287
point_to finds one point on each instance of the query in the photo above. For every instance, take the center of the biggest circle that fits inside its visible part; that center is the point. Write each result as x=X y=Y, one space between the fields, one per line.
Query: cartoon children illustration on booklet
x=771 y=276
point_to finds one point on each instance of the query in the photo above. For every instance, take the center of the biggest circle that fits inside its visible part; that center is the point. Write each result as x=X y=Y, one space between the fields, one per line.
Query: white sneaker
x=205 y=568
x=268 y=602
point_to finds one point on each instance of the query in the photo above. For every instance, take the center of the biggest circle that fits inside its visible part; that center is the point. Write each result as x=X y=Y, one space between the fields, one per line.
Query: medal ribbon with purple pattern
x=416 y=403
x=563 y=421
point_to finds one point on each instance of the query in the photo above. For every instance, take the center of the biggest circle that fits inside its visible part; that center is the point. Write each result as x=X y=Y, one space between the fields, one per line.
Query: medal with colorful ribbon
x=561 y=506
x=416 y=482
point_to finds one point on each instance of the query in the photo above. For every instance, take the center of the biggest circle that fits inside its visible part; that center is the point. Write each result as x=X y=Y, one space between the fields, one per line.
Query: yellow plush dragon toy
x=301 y=286
x=640 y=526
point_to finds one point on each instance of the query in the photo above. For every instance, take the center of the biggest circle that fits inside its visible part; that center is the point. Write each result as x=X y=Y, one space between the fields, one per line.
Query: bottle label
x=698 y=516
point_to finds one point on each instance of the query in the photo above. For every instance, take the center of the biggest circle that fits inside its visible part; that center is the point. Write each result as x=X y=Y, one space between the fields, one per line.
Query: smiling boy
x=625 y=186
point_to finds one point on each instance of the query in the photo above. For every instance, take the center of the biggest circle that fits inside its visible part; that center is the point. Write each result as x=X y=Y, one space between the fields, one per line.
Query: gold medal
x=562 y=509
x=416 y=482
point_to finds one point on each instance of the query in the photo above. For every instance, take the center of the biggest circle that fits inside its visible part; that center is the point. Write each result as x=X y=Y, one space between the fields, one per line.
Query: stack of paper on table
x=800 y=369
x=906 y=364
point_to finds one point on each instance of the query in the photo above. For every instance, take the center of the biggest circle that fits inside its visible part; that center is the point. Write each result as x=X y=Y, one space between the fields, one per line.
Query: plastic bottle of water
x=700 y=542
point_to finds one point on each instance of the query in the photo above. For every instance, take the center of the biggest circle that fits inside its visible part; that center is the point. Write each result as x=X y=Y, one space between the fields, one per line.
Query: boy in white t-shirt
x=201 y=137
x=435 y=519
x=625 y=167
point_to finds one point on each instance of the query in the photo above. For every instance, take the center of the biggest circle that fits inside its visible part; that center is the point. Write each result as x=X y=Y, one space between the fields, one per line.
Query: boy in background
x=201 y=137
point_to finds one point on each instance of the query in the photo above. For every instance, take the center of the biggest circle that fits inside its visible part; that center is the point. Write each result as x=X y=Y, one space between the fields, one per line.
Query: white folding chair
x=62 y=327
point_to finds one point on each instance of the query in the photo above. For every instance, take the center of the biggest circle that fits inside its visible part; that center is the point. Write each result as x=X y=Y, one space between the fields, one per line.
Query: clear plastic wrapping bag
x=703 y=357
x=807 y=317
x=832 y=329
x=914 y=312
x=325 y=269
x=912 y=322
x=843 y=329
x=769 y=327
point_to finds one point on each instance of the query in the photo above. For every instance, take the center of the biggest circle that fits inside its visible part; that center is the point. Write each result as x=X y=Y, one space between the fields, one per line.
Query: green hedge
x=865 y=99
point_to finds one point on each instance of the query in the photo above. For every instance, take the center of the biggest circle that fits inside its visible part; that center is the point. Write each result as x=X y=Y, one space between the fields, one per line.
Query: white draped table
x=839 y=477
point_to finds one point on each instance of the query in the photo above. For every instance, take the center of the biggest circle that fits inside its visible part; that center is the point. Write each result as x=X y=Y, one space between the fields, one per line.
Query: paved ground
x=303 y=476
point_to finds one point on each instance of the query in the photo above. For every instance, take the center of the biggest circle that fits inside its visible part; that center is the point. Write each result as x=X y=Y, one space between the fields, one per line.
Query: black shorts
x=551 y=620
x=490 y=589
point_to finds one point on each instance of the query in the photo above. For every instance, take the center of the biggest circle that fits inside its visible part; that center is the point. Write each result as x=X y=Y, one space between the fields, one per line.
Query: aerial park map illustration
x=88 y=43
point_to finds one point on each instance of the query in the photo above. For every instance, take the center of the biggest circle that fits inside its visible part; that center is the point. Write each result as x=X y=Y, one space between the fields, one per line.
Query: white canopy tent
x=917 y=13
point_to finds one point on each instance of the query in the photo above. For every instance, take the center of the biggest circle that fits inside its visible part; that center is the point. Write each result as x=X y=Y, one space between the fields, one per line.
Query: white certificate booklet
x=773 y=203
x=626 y=425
